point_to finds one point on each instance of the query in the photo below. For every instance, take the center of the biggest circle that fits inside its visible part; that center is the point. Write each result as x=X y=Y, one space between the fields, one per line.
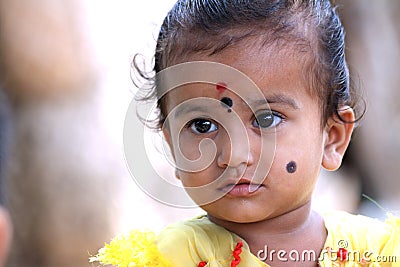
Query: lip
x=241 y=188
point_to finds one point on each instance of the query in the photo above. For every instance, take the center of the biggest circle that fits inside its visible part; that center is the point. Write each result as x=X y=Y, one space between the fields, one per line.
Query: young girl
x=253 y=99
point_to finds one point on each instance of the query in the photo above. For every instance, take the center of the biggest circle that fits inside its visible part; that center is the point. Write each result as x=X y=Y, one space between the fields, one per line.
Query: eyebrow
x=277 y=99
x=280 y=99
x=185 y=109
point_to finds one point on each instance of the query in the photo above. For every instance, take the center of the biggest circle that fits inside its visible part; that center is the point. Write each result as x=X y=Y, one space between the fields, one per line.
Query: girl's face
x=293 y=123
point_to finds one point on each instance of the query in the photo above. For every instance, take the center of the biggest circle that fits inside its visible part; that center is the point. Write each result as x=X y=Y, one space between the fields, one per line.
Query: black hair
x=210 y=26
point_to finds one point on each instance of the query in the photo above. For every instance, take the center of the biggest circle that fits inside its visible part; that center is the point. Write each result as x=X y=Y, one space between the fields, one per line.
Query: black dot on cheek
x=227 y=102
x=291 y=167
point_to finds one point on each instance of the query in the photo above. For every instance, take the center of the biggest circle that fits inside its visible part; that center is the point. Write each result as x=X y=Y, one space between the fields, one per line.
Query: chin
x=247 y=219
x=244 y=220
x=239 y=217
x=236 y=213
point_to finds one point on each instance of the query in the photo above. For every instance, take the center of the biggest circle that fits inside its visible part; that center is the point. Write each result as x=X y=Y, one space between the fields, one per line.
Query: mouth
x=241 y=188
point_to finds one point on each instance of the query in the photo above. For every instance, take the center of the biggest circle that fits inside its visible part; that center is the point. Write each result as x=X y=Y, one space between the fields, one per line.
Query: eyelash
x=276 y=115
x=214 y=126
x=191 y=125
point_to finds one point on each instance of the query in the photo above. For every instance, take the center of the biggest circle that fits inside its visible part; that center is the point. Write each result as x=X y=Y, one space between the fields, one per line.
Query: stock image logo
x=343 y=253
x=201 y=114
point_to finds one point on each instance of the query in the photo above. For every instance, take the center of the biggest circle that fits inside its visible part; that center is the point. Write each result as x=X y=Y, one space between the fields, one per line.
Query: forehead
x=273 y=69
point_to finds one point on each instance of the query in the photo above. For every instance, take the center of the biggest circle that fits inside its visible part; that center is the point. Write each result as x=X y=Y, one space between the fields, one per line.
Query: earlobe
x=337 y=138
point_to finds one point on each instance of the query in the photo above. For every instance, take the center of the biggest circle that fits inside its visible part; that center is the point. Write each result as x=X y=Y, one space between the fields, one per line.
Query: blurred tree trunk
x=60 y=178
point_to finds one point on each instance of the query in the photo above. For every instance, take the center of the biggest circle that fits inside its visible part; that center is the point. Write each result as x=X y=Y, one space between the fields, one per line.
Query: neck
x=284 y=225
x=298 y=229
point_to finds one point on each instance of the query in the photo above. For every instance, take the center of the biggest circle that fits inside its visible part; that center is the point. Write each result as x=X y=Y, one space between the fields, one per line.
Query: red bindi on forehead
x=221 y=87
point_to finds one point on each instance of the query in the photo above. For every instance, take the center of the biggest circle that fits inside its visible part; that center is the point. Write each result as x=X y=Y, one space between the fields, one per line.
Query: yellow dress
x=353 y=240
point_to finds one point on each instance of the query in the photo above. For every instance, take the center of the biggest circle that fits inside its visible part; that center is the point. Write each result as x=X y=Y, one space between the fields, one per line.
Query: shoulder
x=359 y=226
x=345 y=222
x=200 y=227
x=362 y=234
x=195 y=240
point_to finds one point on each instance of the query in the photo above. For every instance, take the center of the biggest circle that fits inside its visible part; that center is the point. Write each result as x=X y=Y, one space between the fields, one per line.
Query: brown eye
x=266 y=119
x=202 y=126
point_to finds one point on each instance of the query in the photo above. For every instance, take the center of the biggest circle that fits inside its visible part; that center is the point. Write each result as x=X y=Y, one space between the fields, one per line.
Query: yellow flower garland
x=137 y=249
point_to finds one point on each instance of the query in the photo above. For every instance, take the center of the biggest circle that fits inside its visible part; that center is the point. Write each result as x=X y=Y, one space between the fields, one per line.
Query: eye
x=202 y=126
x=267 y=119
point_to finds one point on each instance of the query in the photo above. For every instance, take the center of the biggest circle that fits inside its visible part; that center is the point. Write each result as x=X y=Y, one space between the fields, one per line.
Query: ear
x=337 y=138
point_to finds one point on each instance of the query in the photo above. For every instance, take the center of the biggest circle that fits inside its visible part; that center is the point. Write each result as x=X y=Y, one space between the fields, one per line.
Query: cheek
x=186 y=147
x=200 y=178
x=292 y=166
x=190 y=180
x=300 y=154
x=200 y=187
x=293 y=178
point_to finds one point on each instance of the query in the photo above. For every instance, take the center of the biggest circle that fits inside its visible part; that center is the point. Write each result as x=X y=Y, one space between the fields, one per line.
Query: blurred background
x=65 y=73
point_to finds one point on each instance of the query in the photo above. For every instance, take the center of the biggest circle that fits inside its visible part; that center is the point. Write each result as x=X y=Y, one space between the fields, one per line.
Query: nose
x=234 y=149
